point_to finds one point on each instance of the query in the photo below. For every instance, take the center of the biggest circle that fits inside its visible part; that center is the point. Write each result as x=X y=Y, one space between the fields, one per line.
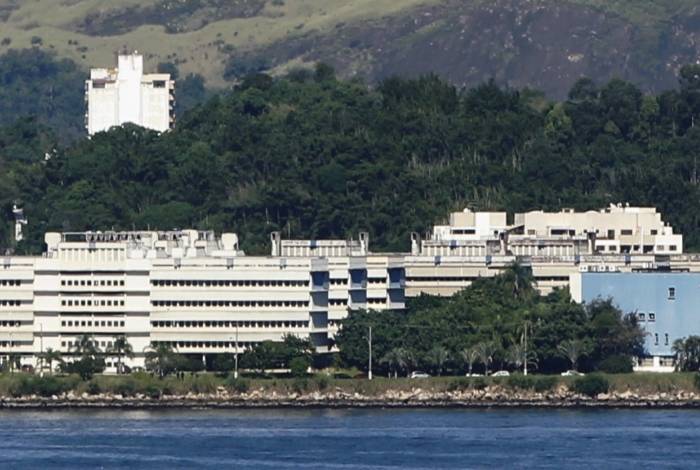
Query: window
x=671 y=293
x=672 y=248
x=656 y=339
x=626 y=232
x=641 y=317
x=611 y=234
x=654 y=231
x=666 y=339
x=652 y=316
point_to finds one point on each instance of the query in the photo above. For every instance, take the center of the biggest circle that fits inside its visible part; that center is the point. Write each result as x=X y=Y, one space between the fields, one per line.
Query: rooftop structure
x=616 y=229
x=127 y=95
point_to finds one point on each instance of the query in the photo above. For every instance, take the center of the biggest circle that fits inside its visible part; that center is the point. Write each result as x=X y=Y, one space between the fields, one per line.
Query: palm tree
x=394 y=360
x=518 y=355
x=85 y=346
x=485 y=351
x=469 y=355
x=408 y=360
x=51 y=355
x=14 y=361
x=436 y=358
x=573 y=350
x=522 y=279
x=161 y=358
x=121 y=348
x=687 y=353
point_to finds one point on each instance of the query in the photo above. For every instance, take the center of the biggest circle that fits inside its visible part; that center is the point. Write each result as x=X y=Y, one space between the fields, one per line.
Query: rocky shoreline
x=417 y=398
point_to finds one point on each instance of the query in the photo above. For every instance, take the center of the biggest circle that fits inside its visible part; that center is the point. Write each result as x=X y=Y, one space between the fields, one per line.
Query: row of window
x=10 y=282
x=230 y=324
x=103 y=344
x=228 y=283
x=651 y=316
x=107 y=323
x=645 y=248
x=209 y=344
x=230 y=303
x=10 y=323
x=90 y=283
x=91 y=303
x=10 y=303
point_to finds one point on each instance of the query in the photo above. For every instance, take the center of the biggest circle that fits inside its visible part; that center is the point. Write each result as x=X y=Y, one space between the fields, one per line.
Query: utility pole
x=12 y=359
x=525 y=344
x=369 y=341
x=235 y=356
x=41 y=348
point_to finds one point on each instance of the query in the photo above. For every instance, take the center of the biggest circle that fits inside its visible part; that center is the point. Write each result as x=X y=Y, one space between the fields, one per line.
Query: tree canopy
x=485 y=324
x=313 y=156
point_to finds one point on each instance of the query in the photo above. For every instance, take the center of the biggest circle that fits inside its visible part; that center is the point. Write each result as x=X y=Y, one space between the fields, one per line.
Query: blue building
x=666 y=304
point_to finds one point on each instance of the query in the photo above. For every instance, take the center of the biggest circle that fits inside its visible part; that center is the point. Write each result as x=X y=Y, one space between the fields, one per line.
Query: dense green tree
x=687 y=353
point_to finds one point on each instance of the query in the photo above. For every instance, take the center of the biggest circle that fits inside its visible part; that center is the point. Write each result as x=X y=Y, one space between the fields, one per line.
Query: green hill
x=545 y=44
x=313 y=156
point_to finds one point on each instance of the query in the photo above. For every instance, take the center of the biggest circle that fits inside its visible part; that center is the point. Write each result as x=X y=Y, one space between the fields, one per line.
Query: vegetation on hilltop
x=317 y=157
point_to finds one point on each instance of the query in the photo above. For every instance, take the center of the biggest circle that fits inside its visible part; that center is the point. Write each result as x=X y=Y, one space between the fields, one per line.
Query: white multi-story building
x=187 y=288
x=554 y=245
x=127 y=95
x=615 y=229
x=358 y=278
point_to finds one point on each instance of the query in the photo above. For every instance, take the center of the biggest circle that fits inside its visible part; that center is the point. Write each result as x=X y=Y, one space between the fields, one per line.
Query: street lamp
x=369 y=341
x=235 y=356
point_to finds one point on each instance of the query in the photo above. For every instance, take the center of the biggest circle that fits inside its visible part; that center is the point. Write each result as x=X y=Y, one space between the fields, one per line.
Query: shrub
x=299 y=365
x=44 y=386
x=125 y=387
x=544 y=384
x=204 y=384
x=696 y=381
x=461 y=383
x=618 y=364
x=519 y=381
x=300 y=385
x=479 y=383
x=322 y=382
x=93 y=388
x=591 y=385
x=237 y=385
x=152 y=391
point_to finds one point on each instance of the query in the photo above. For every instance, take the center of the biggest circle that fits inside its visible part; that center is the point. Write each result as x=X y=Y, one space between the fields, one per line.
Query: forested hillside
x=314 y=156
x=544 y=44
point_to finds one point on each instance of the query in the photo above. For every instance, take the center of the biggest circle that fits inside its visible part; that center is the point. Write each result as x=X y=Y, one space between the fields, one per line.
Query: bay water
x=350 y=439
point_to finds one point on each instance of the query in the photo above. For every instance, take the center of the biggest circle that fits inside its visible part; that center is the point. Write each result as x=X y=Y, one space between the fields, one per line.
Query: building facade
x=127 y=95
x=554 y=245
x=189 y=289
x=665 y=304
x=359 y=279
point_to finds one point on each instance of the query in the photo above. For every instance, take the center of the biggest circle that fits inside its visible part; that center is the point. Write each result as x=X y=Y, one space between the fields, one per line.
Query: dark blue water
x=328 y=439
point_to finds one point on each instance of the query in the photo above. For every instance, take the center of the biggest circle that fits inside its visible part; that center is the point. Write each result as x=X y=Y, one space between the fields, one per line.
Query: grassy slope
x=201 y=50
x=197 y=48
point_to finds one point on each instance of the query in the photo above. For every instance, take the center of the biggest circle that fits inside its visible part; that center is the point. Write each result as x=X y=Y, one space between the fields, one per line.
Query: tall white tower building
x=126 y=94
